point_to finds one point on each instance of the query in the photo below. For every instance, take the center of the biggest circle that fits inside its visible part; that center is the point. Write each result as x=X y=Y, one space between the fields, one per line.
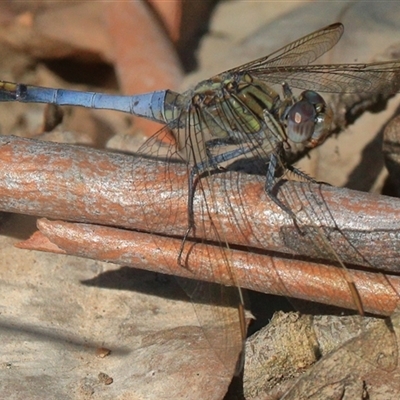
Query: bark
x=265 y=249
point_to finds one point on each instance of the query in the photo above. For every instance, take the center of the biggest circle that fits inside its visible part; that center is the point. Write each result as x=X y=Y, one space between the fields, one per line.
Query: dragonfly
x=246 y=113
x=239 y=108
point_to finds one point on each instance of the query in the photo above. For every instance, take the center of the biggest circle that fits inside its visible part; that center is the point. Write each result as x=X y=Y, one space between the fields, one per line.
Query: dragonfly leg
x=210 y=166
x=301 y=174
x=207 y=167
x=270 y=184
x=192 y=182
x=304 y=176
x=288 y=94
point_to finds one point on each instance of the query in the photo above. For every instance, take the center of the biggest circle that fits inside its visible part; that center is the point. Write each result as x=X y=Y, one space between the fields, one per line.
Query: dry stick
x=268 y=274
x=85 y=185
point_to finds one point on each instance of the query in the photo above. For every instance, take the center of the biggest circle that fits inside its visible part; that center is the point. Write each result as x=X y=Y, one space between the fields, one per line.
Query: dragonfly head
x=309 y=119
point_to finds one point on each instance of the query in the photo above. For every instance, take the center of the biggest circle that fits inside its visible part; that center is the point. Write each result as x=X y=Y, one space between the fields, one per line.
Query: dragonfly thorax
x=235 y=103
x=237 y=111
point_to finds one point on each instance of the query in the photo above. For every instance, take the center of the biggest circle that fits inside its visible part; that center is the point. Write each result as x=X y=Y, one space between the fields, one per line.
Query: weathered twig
x=267 y=251
x=261 y=272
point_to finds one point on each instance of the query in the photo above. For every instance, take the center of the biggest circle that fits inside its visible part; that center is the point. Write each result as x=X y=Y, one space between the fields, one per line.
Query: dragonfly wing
x=302 y=51
x=380 y=77
x=223 y=324
x=218 y=309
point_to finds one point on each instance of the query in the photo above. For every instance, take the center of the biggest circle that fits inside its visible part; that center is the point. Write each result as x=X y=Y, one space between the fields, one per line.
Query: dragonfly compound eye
x=301 y=121
x=323 y=118
x=313 y=98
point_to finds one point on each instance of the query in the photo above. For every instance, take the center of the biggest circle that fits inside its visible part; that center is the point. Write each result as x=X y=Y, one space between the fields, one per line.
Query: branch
x=267 y=251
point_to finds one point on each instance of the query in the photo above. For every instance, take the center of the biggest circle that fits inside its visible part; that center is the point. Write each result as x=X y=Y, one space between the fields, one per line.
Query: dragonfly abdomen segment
x=149 y=105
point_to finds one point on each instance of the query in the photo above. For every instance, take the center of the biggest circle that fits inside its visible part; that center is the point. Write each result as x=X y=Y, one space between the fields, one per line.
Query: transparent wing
x=302 y=51
x=218 y=308
x=290 y=64
x=335 y=78
x=195 y=127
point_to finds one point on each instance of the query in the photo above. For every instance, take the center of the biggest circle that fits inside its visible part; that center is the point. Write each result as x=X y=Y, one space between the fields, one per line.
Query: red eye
x=301 y=121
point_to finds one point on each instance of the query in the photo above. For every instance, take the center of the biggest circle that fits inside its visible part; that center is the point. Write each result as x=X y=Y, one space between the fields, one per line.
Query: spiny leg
x=207 y=167
x=270 y=184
